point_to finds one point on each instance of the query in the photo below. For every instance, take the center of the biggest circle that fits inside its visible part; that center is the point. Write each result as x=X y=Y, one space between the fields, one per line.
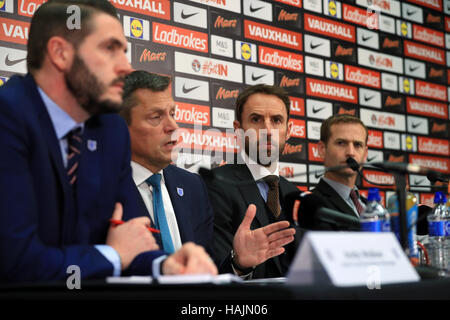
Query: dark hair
x=51 y=20
x=260 y=88
x=140 y=80
x=325 y=129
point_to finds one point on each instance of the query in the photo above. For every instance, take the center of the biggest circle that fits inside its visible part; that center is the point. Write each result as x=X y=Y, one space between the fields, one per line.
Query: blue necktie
x=159 y=213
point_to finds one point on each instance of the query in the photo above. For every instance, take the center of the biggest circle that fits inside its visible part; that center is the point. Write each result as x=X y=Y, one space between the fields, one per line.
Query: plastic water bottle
x=439 y=233
x=375 y=217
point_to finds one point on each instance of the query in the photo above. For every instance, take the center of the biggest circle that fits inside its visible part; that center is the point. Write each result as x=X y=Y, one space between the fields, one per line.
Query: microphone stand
x=400 y=182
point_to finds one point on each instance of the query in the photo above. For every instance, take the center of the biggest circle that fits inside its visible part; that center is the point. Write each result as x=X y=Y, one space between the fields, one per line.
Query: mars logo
x=223 y=94
x=136 y=28
x=285 y=16
x=222 y=23
x=196 y=66
x=286 y=82
x=149 y=56
x=394 y=158
x=344 y=110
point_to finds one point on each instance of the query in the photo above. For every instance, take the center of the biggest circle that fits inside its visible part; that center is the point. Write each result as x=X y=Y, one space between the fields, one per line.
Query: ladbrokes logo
x=360 y=16
x=192 y=114
x=179 y=37
x=331 y=90
x=434 y=146
x=272 y=35
x=14 y=31
x=375 y=139
x=280 y=59
x=362 y=76
x=295 y=3
x=431 y=90
x=426 y=108
x=298 y=129
x=429 y=36
x=156 y=8
x=329 y=27
x=27 y=8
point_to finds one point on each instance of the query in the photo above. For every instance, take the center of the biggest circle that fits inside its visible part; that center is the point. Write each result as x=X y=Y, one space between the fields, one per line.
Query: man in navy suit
x=149 y=111
x=65 y=164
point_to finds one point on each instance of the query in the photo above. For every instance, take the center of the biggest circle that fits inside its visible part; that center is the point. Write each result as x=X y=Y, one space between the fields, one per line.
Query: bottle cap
x=438 y=196
x=374 y=195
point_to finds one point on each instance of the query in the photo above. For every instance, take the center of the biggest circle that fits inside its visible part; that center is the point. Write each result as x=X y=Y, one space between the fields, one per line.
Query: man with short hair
x=250 y=195
x=65 y=163
x=341 y=137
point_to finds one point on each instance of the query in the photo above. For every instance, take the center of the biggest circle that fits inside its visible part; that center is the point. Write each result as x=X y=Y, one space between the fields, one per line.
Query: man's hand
x=130 y=238
x=190 y=259
x=253 y=247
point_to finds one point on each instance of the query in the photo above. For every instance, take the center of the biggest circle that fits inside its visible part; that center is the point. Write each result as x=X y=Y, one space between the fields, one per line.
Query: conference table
x=229 y=300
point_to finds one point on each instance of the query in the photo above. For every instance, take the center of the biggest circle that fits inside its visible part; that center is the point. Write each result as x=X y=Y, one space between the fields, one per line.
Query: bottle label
x=437 y=228
x=375 y=226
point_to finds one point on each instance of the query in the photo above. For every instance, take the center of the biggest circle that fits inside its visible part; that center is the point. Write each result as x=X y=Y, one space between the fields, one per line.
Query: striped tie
x=355 y=198
x=73 y=154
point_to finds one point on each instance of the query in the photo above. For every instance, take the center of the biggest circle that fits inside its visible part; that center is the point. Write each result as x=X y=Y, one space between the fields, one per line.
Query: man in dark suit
x=253 y=184
x=149 y=111
x=65 y=163
x=341 y=137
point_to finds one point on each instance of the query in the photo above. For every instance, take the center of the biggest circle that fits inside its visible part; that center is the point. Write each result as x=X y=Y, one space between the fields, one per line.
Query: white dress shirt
x=140 y=174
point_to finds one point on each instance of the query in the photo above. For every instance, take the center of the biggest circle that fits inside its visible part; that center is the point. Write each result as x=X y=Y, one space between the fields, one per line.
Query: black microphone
x=400 y=167
x=352 y=164
x=434 y=176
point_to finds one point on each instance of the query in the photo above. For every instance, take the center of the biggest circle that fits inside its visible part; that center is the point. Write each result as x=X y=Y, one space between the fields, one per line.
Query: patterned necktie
x=73 y=154
x=355 y=199
x=273 y=199
x=159 y=213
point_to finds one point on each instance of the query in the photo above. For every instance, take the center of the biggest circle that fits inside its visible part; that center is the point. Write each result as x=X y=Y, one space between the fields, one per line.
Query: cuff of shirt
x=156 y=266
x=112 y=256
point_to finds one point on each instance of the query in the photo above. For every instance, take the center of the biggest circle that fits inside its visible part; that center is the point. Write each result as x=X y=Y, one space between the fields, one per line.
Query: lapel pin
x=92 y=145
x=180 y=192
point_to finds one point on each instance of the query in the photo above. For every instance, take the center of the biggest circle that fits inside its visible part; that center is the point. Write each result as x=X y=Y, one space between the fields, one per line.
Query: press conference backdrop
x=385 y=61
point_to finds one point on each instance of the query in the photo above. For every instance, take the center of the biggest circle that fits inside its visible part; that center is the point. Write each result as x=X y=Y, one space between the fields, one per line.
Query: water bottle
x=438 y=233
x=375 y=217
x=412 y=210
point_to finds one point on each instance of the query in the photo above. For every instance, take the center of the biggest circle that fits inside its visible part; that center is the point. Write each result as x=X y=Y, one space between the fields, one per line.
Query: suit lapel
x=179 y=198
x=335 y=198
x=251 y=194
x=68 y=213
x=89 y=171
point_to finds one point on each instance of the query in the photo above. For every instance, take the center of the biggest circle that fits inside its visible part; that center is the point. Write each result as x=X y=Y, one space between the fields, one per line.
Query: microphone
x=400 y=167
x=434 y=176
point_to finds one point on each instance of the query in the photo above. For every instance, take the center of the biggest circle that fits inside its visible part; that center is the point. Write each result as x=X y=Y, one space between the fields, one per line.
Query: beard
x=87 y=89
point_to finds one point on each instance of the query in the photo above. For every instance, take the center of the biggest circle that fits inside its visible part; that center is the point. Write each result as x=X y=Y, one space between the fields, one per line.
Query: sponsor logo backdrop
x=385 y=61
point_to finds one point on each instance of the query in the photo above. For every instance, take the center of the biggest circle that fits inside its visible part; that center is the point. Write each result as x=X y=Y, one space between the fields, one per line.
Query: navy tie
x=159 y=213
x=73 y=154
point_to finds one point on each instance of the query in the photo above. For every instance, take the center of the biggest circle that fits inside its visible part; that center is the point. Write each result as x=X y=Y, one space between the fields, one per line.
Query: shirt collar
x=141 y=173
x=62 y=122
x=341 y=189
x=258 y=171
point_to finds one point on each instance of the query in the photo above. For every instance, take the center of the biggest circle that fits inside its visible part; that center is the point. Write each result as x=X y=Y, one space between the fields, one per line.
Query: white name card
x=351 y=259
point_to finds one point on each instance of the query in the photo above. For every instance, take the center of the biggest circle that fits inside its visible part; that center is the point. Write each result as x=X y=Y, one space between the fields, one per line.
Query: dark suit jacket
x=192 y=208
x=230 y=203
x=323 y=195
x=43 y=229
